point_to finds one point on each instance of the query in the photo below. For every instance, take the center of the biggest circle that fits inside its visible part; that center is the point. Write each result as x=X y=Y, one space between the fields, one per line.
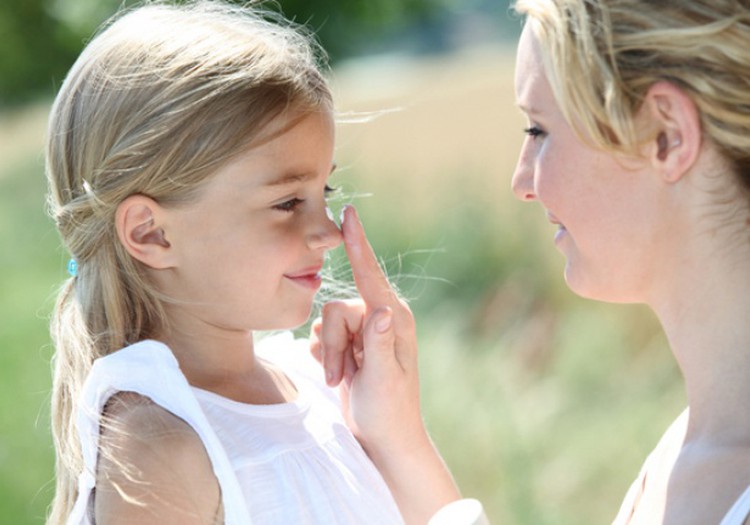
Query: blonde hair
x=161 y=97
x=601 y=57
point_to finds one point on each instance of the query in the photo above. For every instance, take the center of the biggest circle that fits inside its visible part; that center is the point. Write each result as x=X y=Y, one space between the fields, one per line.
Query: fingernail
x=384 y=323
x=341 y=217
x=329 y=377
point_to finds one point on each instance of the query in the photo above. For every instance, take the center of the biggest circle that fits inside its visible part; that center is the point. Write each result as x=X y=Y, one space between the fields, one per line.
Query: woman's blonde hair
x=161 y=97
x=601 y=57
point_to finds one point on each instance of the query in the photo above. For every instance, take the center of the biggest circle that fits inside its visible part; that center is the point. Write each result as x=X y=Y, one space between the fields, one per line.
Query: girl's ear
x=676 y=138
x=140 y=223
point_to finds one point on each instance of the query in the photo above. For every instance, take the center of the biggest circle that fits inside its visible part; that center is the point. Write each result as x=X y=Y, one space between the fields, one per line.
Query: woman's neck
x=706 y=316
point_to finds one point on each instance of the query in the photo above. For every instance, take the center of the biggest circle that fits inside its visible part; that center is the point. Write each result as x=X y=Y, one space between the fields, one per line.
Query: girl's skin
x=244 y=256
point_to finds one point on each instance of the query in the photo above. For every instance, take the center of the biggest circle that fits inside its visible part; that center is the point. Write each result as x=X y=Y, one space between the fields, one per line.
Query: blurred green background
x=544 y=404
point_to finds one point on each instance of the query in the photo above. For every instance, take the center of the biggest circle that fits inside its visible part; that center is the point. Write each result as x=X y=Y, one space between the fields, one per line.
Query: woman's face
x=608 y=211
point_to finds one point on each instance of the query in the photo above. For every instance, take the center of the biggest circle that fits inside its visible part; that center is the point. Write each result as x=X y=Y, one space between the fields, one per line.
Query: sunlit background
x=543 y=404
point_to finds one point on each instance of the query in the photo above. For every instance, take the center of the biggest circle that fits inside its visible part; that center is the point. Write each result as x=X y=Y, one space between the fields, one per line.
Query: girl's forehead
x=298 y=151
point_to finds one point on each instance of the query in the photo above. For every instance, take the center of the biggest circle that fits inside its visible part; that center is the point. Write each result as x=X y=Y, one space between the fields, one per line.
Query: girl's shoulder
x=152 y=463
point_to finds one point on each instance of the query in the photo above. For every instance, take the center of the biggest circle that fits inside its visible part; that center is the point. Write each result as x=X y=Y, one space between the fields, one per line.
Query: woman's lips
x=561 y=231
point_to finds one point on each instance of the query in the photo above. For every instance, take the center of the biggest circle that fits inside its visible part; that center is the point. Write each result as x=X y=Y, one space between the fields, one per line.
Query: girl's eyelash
x=291 y=204
x=288 y=206
x=533 y=131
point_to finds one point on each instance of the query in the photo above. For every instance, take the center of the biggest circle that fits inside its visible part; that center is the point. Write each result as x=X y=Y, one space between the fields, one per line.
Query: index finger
x=371 y=282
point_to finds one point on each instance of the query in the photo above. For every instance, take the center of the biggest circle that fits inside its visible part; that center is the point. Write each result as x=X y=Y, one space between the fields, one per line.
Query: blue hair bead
x=73 y=267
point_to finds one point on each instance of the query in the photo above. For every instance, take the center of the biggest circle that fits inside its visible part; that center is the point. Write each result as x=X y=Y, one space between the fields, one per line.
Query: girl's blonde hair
x=160 y=98
x=601 y=57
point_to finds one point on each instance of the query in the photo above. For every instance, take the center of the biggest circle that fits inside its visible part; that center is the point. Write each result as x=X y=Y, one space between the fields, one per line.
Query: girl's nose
x=324 y=233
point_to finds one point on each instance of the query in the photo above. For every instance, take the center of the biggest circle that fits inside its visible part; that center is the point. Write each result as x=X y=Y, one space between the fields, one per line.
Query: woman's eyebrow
x=529 y=110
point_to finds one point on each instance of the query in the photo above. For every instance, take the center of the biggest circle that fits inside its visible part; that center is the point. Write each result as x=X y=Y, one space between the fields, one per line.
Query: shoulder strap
x=739 y=511
x=149 y=369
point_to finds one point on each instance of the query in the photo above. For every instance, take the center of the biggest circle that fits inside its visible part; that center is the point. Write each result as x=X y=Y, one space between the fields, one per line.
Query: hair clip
x=73 y=267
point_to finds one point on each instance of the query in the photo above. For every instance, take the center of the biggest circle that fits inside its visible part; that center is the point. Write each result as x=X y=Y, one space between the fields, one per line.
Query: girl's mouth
x=308 y=278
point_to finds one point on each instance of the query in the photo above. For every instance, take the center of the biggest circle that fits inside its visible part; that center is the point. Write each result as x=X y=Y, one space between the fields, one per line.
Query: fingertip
x=349 y=222
x=342 y=215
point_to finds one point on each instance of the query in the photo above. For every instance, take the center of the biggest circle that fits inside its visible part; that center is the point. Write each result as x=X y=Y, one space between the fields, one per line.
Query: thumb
x=380 y=339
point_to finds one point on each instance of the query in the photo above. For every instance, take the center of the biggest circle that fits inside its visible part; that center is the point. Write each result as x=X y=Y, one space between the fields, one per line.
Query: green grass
x=30 y=268
x=544 y=404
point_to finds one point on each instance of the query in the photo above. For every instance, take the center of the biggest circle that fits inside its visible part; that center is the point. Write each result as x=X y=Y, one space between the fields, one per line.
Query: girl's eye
x=534 y=131
x=289 y=205
x=292 y=204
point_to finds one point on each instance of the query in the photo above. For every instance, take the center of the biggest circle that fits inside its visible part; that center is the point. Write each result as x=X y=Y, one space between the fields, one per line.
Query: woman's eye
x=534 y=131
x=289 y=205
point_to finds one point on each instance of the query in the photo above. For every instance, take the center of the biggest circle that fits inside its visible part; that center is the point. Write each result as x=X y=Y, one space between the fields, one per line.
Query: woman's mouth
x=561 y=230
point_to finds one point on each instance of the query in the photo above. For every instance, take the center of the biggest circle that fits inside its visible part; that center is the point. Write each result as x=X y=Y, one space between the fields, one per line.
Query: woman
x=638 y=148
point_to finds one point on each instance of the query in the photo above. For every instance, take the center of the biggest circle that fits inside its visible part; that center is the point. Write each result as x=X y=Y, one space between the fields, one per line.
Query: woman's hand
x=368 y=347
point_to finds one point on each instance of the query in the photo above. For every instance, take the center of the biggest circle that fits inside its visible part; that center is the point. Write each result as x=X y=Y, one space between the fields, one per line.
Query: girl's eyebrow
x=292 y=177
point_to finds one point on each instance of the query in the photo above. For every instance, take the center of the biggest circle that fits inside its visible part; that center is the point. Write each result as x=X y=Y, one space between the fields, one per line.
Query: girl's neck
x=225 y=363
x=215 y=357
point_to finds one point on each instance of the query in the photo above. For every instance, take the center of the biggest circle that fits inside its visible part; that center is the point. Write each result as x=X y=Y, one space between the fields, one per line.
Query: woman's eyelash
x=534 y=131
x=329 y=189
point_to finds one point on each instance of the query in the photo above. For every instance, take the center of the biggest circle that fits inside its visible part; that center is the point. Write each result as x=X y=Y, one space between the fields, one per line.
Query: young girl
x=188 y=156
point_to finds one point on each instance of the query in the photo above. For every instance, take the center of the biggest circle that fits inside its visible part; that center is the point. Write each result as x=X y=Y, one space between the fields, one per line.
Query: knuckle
x=332 y=307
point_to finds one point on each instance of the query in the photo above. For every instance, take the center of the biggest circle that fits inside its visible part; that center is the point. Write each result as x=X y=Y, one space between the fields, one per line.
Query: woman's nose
x=523 y=179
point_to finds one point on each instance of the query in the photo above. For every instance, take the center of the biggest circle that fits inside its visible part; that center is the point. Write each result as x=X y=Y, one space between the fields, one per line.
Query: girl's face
x=608 y=212
x=251 y=248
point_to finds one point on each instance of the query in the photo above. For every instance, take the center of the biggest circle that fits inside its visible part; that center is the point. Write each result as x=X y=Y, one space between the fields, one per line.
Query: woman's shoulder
x=153 y=464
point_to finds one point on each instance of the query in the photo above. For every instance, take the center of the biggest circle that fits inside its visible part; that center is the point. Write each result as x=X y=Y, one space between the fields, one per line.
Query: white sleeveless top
x=276 y=464
x=736 y=515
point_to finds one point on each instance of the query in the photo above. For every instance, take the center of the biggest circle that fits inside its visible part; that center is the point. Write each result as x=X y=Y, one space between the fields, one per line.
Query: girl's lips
x=309 y=277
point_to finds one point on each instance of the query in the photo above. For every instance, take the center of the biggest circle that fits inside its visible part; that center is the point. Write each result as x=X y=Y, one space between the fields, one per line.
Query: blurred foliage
x=42 y=38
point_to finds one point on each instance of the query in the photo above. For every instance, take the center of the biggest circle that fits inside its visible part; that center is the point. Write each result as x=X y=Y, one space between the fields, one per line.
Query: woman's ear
x=140 y=227
x=676 y=137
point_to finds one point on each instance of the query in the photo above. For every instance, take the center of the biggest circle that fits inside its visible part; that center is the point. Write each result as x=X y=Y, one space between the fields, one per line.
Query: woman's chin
x=603 y=290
